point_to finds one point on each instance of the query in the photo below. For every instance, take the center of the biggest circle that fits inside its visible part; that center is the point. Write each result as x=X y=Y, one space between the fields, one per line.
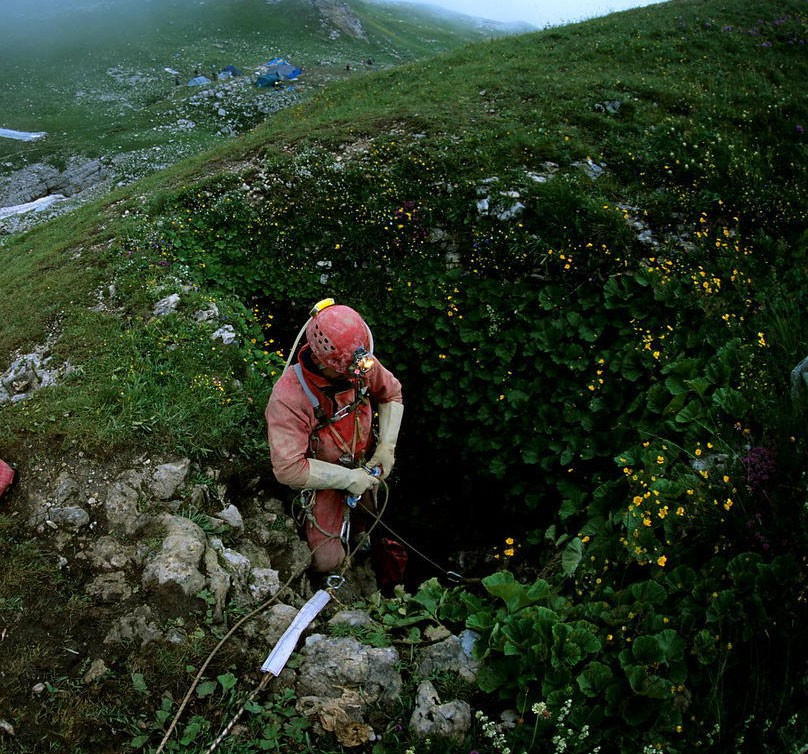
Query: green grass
x=528 y=374
x=102 y=88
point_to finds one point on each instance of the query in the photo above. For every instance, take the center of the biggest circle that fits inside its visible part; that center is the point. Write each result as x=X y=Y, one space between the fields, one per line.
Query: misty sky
x=539 y=13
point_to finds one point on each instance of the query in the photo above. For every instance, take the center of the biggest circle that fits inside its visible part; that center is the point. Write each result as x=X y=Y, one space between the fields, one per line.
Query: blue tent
x=278 y=69
x=268 y=79
x=199 y=81
x=228 y=72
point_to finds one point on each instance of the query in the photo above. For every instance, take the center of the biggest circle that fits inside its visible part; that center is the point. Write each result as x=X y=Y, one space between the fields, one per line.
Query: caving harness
x=304 y=503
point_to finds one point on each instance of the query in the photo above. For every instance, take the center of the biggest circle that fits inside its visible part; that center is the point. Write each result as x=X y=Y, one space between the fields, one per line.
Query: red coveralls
x=290 y=422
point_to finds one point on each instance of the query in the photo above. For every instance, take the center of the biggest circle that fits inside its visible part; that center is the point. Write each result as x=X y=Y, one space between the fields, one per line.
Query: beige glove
x=331 y=476
x=390 y=415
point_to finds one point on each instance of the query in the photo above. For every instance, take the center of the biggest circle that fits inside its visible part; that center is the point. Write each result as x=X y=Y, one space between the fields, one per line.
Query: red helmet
x=335 y=335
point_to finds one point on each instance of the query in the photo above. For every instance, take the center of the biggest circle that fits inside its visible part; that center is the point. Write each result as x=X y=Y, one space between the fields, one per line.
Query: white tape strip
x=277 y=658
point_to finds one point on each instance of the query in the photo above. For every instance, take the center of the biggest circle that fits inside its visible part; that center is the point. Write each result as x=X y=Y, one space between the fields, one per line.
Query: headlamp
x=320 y=305
x=362 y=361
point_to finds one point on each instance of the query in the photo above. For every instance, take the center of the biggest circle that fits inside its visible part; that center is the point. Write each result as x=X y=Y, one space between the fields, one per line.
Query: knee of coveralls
x=327 y=550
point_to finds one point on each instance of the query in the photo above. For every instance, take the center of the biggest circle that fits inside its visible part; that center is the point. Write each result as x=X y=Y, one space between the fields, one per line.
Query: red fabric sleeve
x=289 y=423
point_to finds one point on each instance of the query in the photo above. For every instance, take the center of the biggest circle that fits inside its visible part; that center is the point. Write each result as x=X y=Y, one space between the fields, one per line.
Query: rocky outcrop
x=156 y=555
x=338 y=19
x=332 y=664
x=340 y=680
x=172 y=575
x=29 y=372
x=150 y=553
x=40 y=180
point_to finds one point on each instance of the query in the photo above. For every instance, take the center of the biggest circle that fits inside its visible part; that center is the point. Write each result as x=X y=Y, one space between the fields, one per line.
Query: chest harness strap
x=307 y=501
x=324 y=421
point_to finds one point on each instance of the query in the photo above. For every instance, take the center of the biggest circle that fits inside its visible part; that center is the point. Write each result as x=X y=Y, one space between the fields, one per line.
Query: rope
x=376 y=521
x=346 y=563
x=451 y=575
x=215 y=745
x=263 y=606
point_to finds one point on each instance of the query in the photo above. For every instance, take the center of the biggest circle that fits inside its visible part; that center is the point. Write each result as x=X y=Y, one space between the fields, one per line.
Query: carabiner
x=305 y=499
x=334 y=581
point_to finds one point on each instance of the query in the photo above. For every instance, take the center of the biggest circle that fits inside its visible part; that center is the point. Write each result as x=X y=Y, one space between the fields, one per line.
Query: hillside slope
x=117 y=81
x=583 y=252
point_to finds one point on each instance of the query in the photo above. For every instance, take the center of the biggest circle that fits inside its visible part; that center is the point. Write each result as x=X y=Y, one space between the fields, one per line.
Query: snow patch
x=8 y=133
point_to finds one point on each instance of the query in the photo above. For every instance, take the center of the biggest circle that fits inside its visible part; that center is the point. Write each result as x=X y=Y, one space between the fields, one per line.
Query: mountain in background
x=110 y=76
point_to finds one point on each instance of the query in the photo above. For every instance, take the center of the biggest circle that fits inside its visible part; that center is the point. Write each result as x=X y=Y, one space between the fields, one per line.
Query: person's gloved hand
x=384 y=456
x=390 y=415
x=332 y=476
x=361 y=481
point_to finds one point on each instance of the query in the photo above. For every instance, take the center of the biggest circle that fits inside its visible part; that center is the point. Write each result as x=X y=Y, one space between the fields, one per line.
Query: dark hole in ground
x=450 y=517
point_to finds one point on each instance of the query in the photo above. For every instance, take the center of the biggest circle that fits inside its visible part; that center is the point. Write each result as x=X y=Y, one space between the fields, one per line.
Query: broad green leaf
x=704 y=647
x=730 y=401
x=192 y=730
x=491 y=677
x=647 y=684
x=227 y=681
x=430 y=595
x=672 y=645
x=692 y=412
x=567 y=508
x=139 y=683
x=646 y=650
x=530 y=456
x=626 y=458
x=583 y=634
x=572 y=555
x=481 y=622
x=648 y=591
x=594 y=678
x=699 y=385
x=206 y=688
x=676 y=385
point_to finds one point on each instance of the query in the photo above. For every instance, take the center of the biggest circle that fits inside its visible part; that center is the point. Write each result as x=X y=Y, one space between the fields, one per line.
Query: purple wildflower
x=760 y=465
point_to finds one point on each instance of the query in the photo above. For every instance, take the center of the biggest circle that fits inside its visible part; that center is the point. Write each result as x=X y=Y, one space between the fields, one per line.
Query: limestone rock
x=139 y=625
x=168 y=478
x=231 y=516
x=447 y=656
x=109 y=587
x=431 y=719
x=333 y=664
x=172 y=574
x=107 y=554
x=122 y=505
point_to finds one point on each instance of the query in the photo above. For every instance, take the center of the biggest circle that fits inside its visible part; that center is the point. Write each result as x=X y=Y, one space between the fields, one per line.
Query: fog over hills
x=108 y=79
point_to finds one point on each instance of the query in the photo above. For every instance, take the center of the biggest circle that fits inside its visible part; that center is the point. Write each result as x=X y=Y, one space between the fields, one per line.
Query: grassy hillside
x=93 y=75
x=583 y=252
